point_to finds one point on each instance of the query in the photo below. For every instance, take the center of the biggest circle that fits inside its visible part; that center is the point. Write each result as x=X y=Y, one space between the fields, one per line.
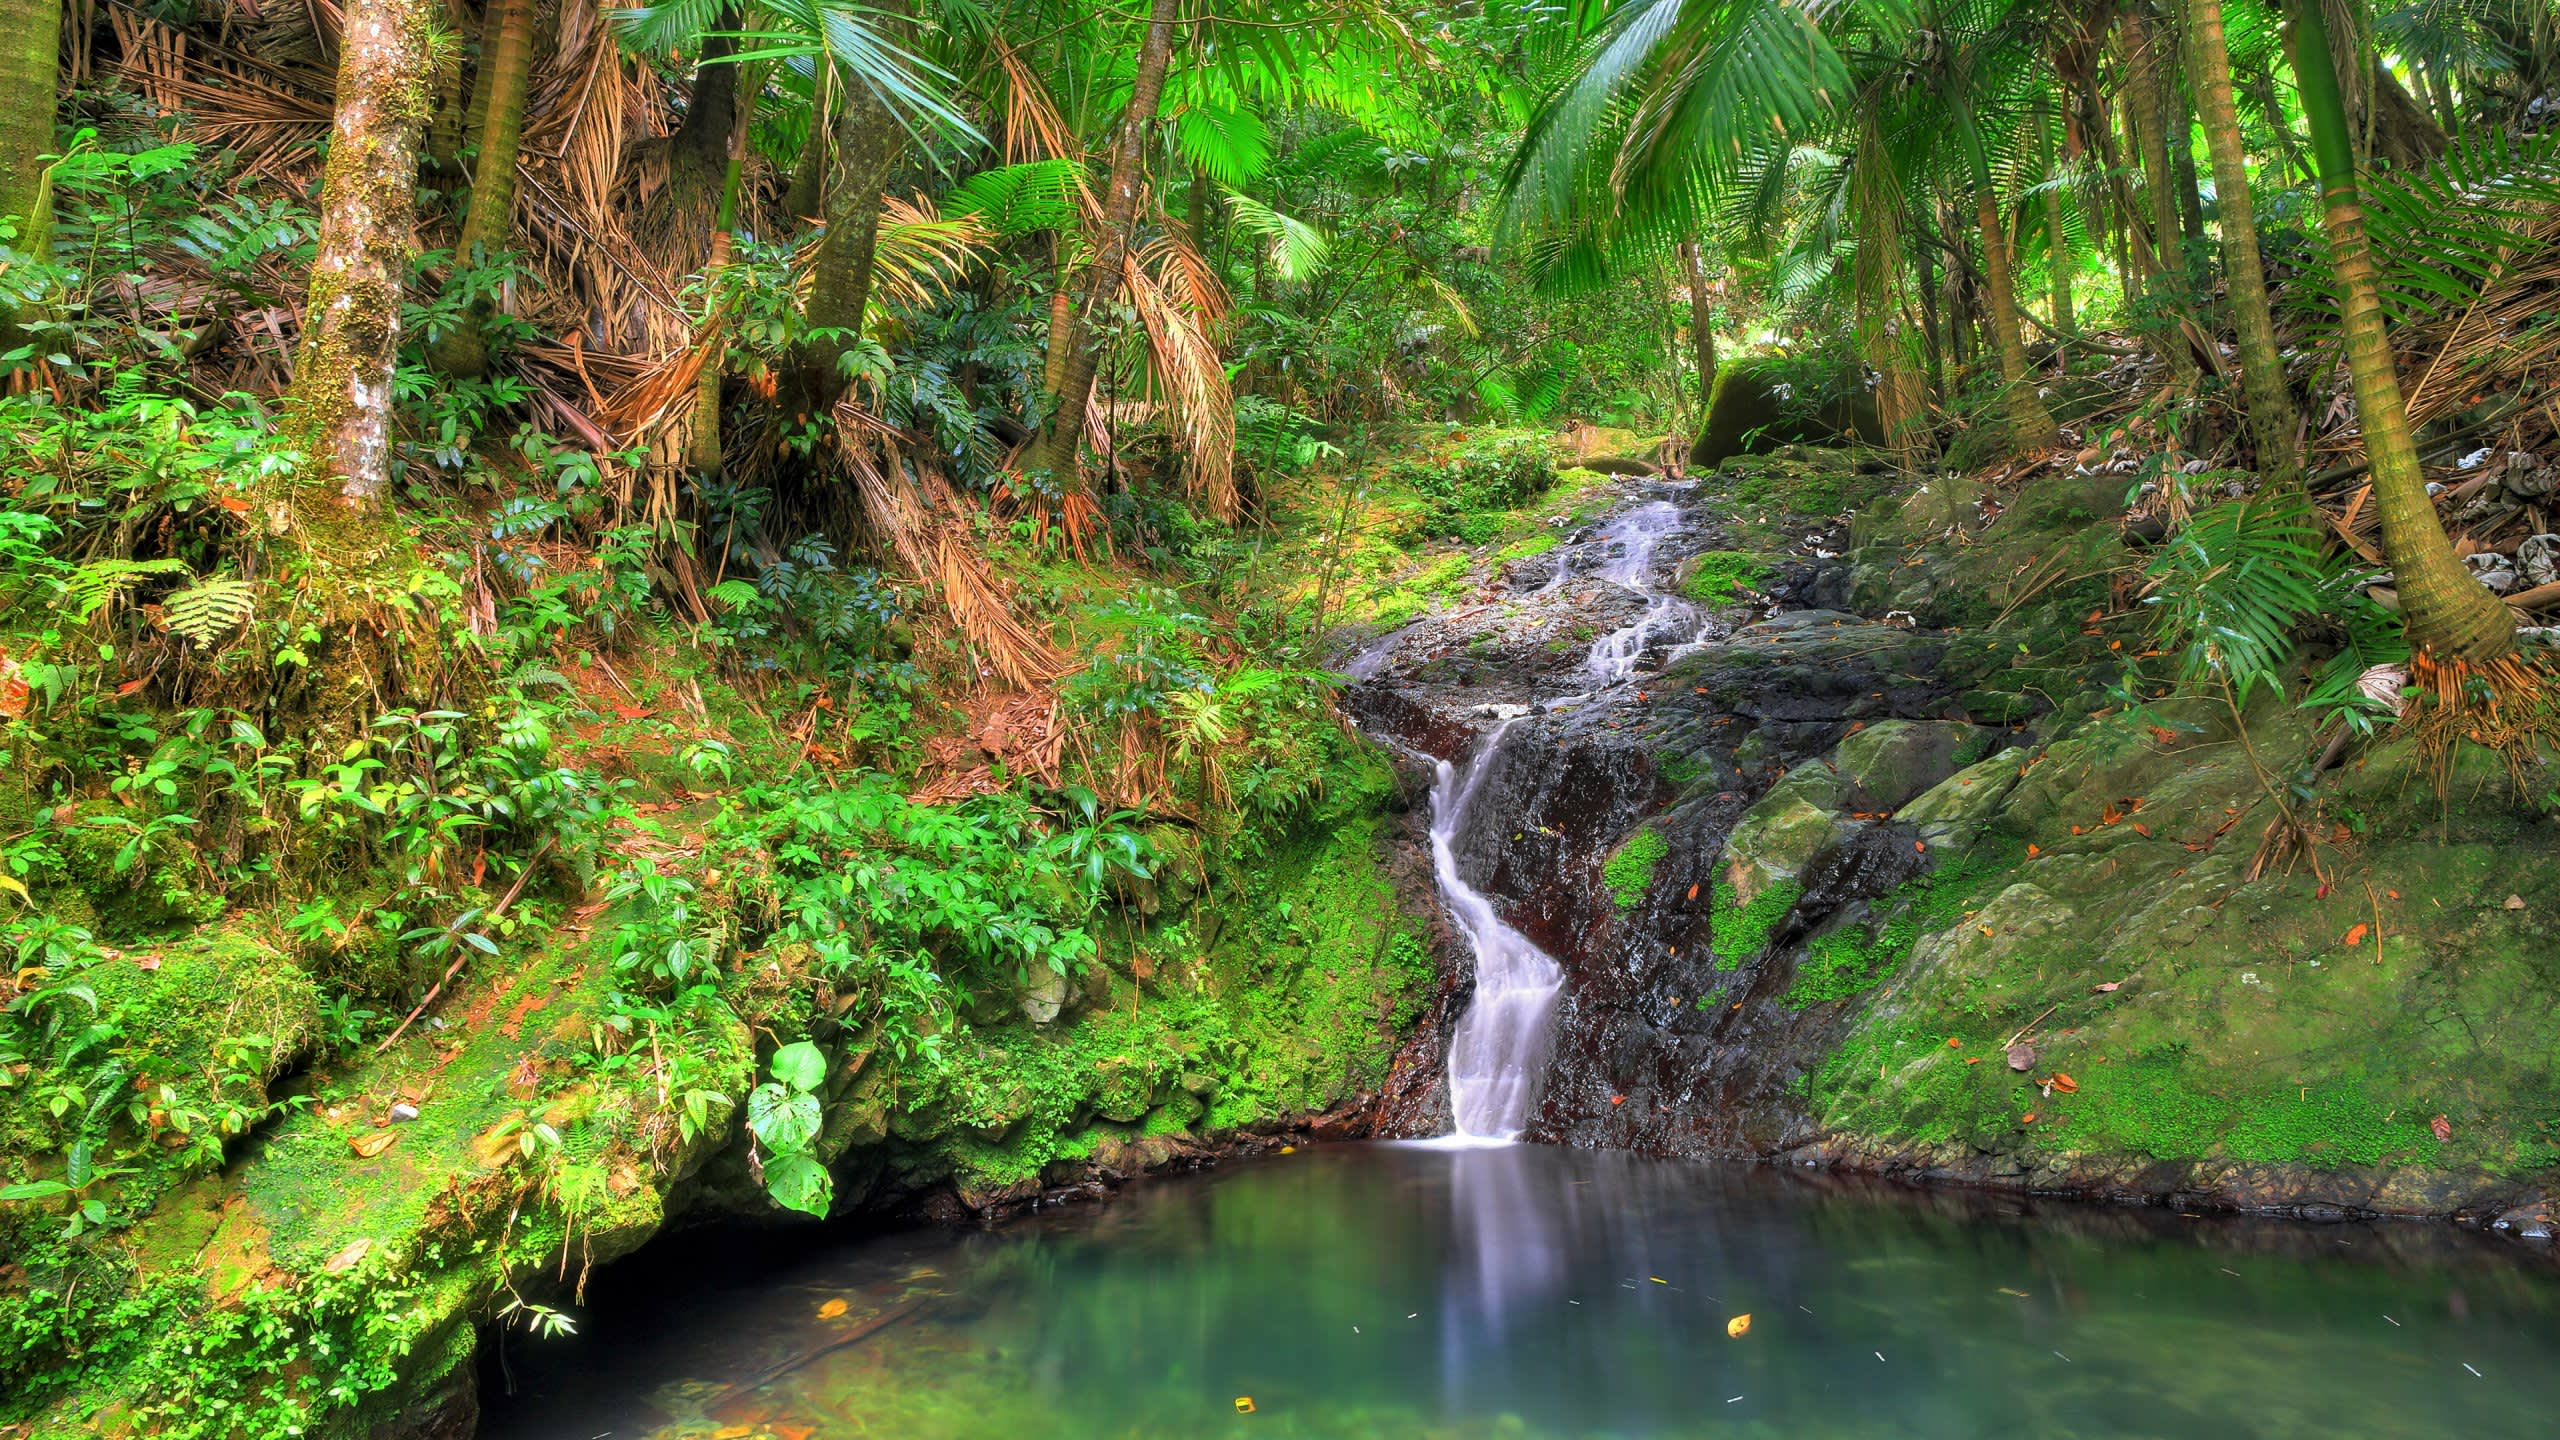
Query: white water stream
x=1500 y=1048
x=1499 y=1052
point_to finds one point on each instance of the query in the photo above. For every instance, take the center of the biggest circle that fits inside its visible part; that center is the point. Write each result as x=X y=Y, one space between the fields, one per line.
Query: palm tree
x=2449 y=614
x=1056 y=451
x=2273 y=423
x=339 y=414
x=489 y=219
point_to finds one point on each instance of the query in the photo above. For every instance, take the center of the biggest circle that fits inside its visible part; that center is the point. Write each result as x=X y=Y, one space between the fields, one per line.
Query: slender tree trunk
x=1203 y=208
x=340 y=406
x=1062 y=309
x=809 y=173
x=868 y=141
x=445 y=133
x=2273 y=423
x=702 y=446
x=1876 y=276
x=1057 y=449
x=2448 y=612
x=2147 y=95
x=1702 y=323
x=30 y=41
x=489 y=222
x=2031 y=426
x=2057 y=238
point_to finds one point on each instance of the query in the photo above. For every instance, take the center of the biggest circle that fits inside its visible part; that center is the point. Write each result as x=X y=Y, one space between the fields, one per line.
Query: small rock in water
x=2022 y=1056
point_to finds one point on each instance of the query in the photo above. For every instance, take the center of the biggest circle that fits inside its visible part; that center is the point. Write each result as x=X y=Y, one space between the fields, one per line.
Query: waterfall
x=1499 y=1051
x=1633 y=538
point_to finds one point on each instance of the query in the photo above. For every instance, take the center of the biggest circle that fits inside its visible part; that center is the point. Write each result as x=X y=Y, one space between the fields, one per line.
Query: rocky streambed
x=1890 y=862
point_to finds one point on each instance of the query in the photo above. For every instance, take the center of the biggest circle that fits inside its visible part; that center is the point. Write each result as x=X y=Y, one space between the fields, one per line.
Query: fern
x=2237 y=589
x=205 y=611
x=1017 y=199
x=1297 y=248
x=95 y=585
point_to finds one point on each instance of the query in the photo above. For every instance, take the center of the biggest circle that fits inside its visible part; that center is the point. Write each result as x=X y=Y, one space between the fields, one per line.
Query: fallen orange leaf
x=2065 y=1083
x=1954 y=1044
x=2034 y=850
x=2355 y=933
x=1738 y=1326
x=832 y=1309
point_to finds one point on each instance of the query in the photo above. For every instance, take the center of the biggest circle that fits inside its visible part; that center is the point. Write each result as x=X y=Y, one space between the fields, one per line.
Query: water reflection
x=1408 y=1291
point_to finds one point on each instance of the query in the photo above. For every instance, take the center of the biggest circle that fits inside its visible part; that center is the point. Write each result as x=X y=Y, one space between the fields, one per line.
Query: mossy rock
x=1887 y=764
x=1783 y=831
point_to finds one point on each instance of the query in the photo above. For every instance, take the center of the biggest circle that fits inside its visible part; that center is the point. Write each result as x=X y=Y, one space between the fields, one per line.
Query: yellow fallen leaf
x=374 y=1144
x=831 y=1309
x=1244 y=1404
x=1738 y=1326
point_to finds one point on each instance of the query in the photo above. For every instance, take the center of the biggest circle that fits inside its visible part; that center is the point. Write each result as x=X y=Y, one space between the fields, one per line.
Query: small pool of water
x=1403 y=1291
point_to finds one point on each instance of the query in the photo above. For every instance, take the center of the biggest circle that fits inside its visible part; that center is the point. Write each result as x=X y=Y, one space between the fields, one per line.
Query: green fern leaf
x=204 y=612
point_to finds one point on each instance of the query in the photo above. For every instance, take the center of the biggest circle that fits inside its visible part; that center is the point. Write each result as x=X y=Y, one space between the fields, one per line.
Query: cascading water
x=1500 y=1048
x=1633 y=537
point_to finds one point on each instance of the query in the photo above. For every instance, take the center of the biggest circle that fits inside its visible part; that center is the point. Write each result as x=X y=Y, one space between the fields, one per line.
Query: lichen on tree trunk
x=340 y=407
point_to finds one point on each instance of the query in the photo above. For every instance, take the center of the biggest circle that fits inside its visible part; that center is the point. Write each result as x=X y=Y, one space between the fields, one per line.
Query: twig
x=2535 y=598
x=465 y=954
x=2025 y=1029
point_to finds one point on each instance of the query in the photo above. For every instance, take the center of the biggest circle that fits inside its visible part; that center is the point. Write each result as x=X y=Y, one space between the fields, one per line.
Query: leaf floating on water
x=2020 y=1294
x=1244 y=1404
x=1738 y=1326
x=832 y=1309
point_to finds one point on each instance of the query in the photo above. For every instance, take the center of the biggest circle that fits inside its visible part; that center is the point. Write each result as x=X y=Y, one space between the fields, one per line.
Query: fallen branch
x=464 y=955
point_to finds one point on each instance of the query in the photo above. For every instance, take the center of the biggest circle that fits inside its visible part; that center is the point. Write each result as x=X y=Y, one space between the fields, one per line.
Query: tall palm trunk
x=868 y=140
x=2057 y=236
x=702 y=447
x=809 y=173
x=2273 y=424
x=2031 y=426
x=30 y=40
x=2150 y=112
x=1702 y=323
x=1056 y=451
x=340 y=405
x=2448 y=612
x=489 y=221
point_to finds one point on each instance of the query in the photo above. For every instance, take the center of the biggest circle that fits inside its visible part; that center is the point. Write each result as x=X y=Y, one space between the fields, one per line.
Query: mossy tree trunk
x=1702 y=320
x=30 y=41
x=1056 y=450
x=868 y=141
x=703 y=449
x=2273 y=423
x=2150 y=105
x=808 y=188
x=340 y=405
x=489 y=222
x=2449 y=614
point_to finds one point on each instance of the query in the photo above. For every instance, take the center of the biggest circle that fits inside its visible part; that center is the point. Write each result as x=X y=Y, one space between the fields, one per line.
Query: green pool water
x=1401 y=1291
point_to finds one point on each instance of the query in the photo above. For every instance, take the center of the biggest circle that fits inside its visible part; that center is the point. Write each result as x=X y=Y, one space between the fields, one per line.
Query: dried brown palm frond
x=1186 y=367
x=920 y=254
x=920 y=519
x=1033 y=127
x=271 y=116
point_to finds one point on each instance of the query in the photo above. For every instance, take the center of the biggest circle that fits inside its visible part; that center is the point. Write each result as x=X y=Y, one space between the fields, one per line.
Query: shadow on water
x=1414 y=1291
